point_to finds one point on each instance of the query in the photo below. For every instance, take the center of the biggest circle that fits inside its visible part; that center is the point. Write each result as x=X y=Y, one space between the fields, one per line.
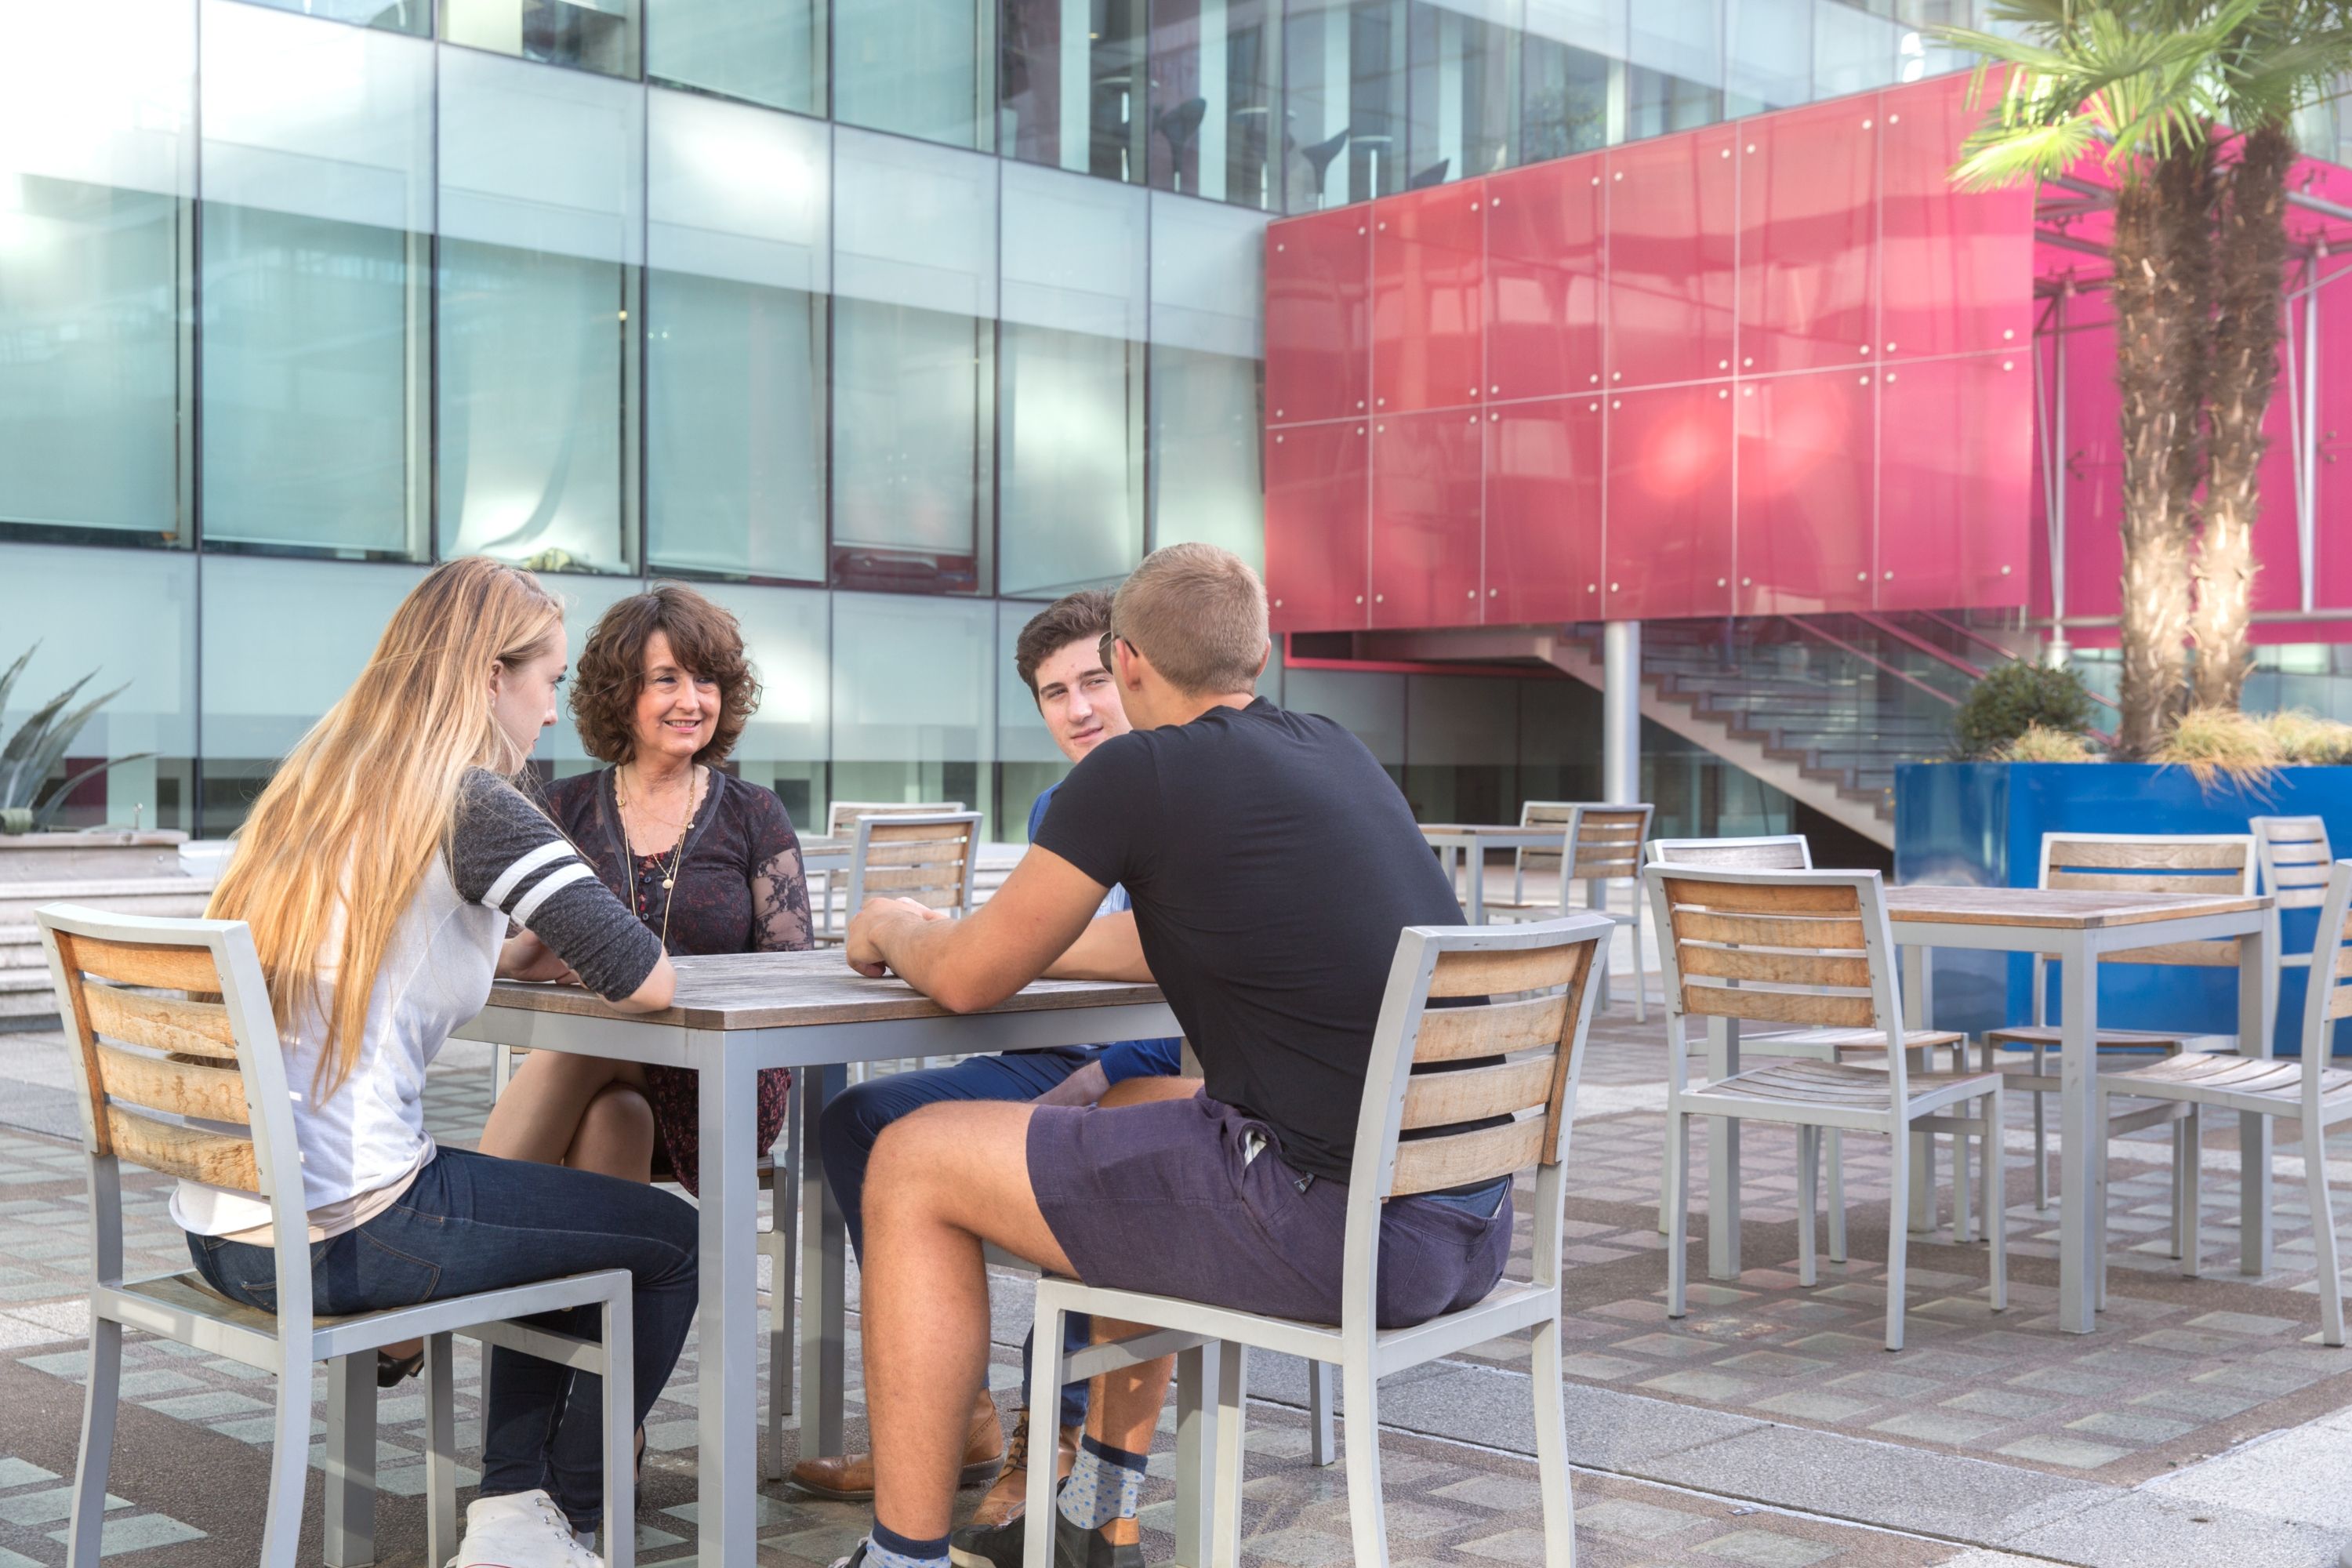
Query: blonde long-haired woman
x=379 y=872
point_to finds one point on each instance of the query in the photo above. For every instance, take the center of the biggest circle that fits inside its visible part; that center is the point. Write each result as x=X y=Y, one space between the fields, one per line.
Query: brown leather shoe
x=849 y=1478
x=1010 y=1496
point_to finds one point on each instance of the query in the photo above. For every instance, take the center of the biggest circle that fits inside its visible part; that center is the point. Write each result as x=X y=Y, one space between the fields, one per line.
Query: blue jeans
x=855 y=1120
x=472 y=1223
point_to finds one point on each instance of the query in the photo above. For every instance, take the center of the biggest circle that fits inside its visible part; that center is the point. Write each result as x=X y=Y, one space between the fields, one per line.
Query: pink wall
x=1776 y=365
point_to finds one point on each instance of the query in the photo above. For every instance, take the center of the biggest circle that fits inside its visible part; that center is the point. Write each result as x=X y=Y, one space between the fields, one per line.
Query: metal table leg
x=825 y=1262
x=2079 y=1135
x=730 y=1396
x=1917 y=1008
x=2257 y=1005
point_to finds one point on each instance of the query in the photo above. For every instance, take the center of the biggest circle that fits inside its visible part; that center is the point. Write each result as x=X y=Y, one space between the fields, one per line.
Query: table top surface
x=782 y=990
x=2061 y=909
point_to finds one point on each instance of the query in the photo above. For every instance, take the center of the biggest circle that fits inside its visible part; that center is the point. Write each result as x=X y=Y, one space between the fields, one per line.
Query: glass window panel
x=1213 y=95
x=1073 y=91
x=541 y=160
x=1596 y=27
x=331 y=123
x=396 y=15
x=914 y=688
x=590 y=34
x=1565 y=104
x=1462 y=747
x=1682 y=38
x=282 y=642
x=146 y=637
x=738 y=193
x=96 y=104
x=1657 y=104
x=771 y=53
x=1071 y=428
x=1076 y=252
x=1207 y=277
x=920 y=68
x=735 y=428
x=1851 y=49
x=1344 y=65
x=1207 y=482
x=1370 y=706
x=787 y=745
x=912 y=396
x=1771 y=54
x=317 y=166
x=913 y=225
x=1464 y=88
x=537 y=372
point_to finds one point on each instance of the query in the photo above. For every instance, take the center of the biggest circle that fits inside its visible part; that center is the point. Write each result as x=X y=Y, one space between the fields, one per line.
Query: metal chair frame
x=170 y=1058
x=1544 y=1036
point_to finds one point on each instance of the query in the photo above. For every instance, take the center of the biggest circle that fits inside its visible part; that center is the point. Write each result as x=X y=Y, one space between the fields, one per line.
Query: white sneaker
x=521 y=1530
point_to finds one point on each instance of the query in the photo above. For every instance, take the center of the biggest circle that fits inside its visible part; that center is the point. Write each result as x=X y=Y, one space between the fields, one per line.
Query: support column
x=1620 y=711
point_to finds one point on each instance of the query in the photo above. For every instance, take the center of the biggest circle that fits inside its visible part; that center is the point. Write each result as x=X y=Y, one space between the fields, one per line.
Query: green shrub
x=2213 y=743
x=2308 y=739
x=2016 y=698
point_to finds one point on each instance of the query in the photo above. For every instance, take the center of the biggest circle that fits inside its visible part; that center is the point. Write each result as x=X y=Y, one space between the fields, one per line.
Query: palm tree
x=2288 y=53
x=2130 y=80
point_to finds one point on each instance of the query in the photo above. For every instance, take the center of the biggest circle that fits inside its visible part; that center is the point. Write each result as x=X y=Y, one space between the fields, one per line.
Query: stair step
x=53 y=857
x=26 y=994
x=168 y=896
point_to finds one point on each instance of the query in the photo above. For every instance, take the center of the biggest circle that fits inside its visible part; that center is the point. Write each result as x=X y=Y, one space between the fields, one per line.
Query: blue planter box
x=1981 y=825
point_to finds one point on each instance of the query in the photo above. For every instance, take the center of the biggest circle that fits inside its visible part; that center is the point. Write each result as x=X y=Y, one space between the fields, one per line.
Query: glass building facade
x=881 y=320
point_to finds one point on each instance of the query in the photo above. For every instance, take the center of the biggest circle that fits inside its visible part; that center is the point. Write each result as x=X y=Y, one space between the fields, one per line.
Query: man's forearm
x=1108 y=949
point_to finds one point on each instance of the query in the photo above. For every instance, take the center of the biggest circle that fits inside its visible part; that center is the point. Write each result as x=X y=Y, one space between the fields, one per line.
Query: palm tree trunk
x=2251 y=286
x=2161 y=261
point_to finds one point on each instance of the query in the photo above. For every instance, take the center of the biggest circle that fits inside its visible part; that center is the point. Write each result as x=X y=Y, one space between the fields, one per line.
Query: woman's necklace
x=678 y=853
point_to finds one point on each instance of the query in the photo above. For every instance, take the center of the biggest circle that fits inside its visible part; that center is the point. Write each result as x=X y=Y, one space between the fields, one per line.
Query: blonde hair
x=1198 y=613
x=351 y=824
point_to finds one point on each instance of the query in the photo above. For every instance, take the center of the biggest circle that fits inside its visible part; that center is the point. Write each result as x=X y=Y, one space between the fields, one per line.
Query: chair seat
x=2050 y=1036
x=2225 y=1077
x=1860 y=1041
x=1797 y=1081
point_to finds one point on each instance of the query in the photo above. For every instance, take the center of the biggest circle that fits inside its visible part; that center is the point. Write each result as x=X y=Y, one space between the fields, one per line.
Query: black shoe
x=999 y=1546
x=855 y=1560
x=392 y=1370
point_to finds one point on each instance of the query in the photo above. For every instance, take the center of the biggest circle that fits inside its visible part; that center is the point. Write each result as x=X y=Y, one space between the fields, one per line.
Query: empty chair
x=2291 y=854
x=1601 y=845
x=1811 y=948
x=1535 y=1008
x=2309 y=1092
x=152 y=1065
x=2139 y=863
x=903 y=870
x=828 y=911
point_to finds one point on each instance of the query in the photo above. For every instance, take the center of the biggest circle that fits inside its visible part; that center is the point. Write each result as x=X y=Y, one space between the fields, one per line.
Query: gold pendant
x=667 y=882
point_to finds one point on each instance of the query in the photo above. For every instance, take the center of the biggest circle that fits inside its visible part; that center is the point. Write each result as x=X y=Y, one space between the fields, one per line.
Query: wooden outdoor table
x=735 y=1014
x=2075 y=927
x=1455 y=841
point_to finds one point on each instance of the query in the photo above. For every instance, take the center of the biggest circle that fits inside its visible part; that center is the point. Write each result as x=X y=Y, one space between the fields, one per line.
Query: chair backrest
x=928 y=858
x=2153 y=862
x=841 y=816
x=1512 y=1049
x=1807 y=948
x=2293 y=855
x=2329 y=998
x=1543 y=813
x=1779 y=852
x=1606 y=843
x=171 y=1018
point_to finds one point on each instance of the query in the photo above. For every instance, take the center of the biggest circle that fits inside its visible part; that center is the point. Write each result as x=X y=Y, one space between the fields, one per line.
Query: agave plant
x=40 y=743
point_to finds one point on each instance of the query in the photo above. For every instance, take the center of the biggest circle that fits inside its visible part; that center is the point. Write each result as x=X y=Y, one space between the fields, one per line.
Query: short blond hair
x=1198 y=614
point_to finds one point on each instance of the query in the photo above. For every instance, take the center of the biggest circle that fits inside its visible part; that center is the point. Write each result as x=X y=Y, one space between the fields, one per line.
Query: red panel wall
x=1652 y=382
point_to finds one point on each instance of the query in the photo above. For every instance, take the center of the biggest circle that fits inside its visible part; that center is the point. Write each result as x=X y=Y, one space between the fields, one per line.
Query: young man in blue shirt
x=1059 y=656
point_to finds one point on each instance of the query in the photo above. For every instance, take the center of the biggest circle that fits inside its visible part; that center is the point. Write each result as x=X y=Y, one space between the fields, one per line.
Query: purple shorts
x=1164 y=1197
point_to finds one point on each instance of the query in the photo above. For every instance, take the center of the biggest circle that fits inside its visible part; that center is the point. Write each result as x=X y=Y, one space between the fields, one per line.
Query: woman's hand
x=525 y=957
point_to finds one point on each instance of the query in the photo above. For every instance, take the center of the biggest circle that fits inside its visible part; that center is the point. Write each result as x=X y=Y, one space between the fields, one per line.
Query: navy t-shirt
x=1271 y=865
x=1121 y=1059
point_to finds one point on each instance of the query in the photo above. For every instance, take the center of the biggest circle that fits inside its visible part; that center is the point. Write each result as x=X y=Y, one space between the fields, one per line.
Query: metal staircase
x=1821 y=707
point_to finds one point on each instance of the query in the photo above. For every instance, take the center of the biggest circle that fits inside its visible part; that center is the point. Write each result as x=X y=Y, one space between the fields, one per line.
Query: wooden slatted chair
x=2310 y=1092
x=1813 y=949
x=1793 y=852
x=178 y=1082
x=828 y=911
x=1601 y=845
x=1536 y=1009
x=2138 y=863
x=929 y=856
x=2291 y=854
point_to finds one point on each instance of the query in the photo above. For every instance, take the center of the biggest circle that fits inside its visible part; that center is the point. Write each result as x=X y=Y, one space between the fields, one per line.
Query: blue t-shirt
x=1126 y=1058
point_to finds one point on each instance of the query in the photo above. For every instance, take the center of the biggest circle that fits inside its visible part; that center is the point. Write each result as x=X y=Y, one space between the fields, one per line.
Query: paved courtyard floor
x=2202 y=1424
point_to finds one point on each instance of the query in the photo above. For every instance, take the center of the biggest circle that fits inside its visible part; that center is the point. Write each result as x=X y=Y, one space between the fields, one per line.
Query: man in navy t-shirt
x=1271 y=866
x=1060 y=655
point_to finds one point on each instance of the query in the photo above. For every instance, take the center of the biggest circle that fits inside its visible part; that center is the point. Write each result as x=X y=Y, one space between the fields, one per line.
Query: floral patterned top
x=739 y=888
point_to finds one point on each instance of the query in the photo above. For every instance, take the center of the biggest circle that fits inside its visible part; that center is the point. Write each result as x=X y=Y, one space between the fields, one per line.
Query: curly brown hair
x=706 y=640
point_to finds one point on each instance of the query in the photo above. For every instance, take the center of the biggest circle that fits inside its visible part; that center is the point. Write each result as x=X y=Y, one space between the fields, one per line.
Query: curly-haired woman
x=709 y=863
